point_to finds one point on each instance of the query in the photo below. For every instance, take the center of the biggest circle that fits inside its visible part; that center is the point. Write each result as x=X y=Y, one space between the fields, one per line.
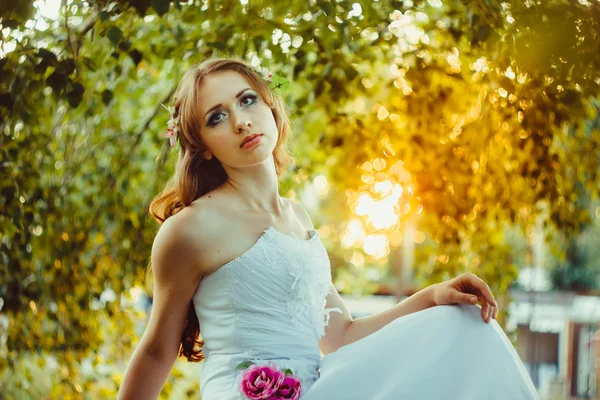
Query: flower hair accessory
x=172 y=128
x=265 y=73
x=277 y=83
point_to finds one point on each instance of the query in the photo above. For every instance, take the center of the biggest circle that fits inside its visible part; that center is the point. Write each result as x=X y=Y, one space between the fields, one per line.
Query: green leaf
x=217 y=45
x=244 y=365
x=10 y=23
x=22 y=10
x=288 y=371
x=350 y=72
x=136 y=56
x=160 y=6
x=76 y=94
x=115 y=35
x=141 y=6
x=107 y=97
x=125 y=45
x=48 y=57
x=57 y=81
x=279 y=83
x=483 y=32
x=89 y=62
x=325 y=6
x=40 y=69
x=66 y=66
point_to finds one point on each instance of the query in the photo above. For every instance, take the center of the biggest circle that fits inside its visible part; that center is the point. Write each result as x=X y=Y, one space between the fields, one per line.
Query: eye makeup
x=251 y=96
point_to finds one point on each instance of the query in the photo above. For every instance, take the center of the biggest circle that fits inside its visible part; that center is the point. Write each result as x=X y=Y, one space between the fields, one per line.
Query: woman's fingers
x=466 y=298
x=488 y=310
x=483 y=288
x=477 y=287
x=484 y=309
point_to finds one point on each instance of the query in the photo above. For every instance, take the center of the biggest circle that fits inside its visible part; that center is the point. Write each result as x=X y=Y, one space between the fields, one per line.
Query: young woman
x=247 y=266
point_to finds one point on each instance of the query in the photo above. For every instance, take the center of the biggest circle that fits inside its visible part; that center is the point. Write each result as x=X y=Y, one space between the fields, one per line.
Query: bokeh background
x=431 y=138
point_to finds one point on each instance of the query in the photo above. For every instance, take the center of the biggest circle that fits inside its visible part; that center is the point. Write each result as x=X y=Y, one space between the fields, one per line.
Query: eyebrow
x=219 y=105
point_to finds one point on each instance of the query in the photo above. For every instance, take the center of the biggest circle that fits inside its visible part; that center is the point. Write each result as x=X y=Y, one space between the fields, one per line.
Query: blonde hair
x=195 y=176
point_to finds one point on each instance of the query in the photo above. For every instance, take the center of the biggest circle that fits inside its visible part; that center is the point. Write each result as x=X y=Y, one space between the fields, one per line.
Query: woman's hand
x=467 y=288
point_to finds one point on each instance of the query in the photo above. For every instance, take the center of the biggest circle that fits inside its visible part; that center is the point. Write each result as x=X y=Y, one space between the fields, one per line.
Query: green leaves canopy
x=491 y=110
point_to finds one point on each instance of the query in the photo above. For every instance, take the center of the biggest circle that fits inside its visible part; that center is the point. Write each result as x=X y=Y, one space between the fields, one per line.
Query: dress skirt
x=444 y=352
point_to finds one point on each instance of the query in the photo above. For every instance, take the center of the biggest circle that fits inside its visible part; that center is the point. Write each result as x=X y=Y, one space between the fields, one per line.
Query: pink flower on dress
x=289 y=389
x=261 y=382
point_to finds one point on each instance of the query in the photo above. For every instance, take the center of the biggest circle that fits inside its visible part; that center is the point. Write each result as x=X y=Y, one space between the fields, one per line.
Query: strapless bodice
x=268 y=304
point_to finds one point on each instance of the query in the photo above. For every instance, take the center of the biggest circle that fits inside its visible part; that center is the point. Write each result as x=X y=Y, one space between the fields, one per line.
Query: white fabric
x=268 y=305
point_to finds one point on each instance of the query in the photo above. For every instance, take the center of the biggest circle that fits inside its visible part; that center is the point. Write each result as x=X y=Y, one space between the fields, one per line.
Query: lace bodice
x=268 y=304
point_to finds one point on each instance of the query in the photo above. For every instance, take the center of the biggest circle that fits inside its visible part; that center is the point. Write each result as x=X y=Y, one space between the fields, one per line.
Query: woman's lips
x=252 y=142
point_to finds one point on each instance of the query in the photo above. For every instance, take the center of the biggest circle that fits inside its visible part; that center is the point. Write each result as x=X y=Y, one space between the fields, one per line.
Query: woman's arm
x=145 y=375
x=467 y=288
x=176 y=277
x=343 y=330
x=361 y=327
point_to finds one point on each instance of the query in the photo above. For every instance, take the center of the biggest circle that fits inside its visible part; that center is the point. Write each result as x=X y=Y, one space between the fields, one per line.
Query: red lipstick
x=251 y=141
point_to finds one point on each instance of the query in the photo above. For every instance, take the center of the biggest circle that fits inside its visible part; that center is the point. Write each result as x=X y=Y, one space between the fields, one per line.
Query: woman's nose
x=243 y=124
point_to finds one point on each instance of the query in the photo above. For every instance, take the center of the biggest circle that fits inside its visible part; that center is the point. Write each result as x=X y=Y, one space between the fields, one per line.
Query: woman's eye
x=247 y=100
x=251 y=97
x=212 y=120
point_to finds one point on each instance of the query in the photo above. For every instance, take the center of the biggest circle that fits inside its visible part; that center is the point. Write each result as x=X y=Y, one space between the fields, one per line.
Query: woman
x=234 y=257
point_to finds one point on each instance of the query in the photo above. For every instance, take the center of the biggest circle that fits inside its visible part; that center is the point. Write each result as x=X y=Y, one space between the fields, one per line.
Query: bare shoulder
x=176 y=276
x=209 y=213
x=186 y=237
x=217 y=231
x=176 y=243
x=301 y=214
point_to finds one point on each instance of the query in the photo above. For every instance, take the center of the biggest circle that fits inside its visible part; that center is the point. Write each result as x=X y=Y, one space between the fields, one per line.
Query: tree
x=478 y=111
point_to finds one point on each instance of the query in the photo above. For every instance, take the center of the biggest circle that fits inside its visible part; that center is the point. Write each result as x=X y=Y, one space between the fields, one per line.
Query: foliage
x=485 y=110
x=580 y=271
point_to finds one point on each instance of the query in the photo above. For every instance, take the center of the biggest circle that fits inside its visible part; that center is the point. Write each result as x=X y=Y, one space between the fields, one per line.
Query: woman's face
x=230 y=110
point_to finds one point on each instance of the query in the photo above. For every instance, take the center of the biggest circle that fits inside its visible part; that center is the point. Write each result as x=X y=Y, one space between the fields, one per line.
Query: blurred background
x=431 y=138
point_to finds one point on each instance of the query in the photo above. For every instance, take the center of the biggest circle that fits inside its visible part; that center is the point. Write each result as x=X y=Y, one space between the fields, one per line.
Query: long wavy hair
x=195 y=176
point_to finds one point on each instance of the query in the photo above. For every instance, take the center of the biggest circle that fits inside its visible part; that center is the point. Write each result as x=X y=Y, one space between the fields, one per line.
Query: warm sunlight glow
x=386 y=197
x=376 y=245
x=321 y=185
x=354 y=233
x=381 y=213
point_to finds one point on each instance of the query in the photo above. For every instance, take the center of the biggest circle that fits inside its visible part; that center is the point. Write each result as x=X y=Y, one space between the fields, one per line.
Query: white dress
x=268 y=306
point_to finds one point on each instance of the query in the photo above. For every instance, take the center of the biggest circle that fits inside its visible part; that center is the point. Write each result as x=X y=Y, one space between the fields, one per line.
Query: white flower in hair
x=265 y=73
x=172 y=128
